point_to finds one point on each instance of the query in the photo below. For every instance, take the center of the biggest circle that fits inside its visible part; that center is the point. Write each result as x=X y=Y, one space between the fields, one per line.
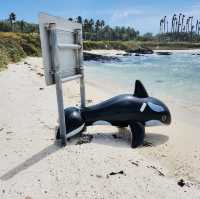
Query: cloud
x=125 y=13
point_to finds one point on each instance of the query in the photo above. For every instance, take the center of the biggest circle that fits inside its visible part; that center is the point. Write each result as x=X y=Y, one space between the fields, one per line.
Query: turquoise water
x=175 y=77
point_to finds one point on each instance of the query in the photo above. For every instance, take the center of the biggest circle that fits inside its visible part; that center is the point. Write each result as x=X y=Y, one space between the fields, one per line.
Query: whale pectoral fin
x=140 y=90
x=138 y=134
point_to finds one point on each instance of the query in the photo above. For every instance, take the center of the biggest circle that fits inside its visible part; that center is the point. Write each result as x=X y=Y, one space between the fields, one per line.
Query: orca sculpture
x=136 y=110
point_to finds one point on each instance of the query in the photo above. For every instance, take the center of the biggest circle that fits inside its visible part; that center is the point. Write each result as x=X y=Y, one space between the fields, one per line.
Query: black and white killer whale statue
x=136 y=111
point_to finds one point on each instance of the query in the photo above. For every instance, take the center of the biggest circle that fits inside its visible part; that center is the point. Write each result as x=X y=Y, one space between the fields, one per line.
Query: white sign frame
x=45 y=20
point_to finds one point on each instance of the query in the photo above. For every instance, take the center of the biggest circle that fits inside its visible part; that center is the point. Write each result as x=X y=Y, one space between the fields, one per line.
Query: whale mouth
x=153 y=123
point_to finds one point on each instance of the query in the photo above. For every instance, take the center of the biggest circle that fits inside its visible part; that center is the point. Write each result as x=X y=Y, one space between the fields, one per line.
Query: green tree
x=12 y=19
x=79 y=19
x=22 y=24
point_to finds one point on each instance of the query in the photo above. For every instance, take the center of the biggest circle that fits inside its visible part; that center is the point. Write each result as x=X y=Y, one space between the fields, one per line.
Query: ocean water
x=175 y=78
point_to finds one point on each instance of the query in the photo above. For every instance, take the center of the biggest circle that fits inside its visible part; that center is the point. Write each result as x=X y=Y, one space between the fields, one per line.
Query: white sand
x=118 y=52
x=107 y=52
x=33 y=166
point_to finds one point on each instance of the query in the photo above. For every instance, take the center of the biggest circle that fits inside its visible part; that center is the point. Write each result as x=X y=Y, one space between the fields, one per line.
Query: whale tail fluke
x=140 y=90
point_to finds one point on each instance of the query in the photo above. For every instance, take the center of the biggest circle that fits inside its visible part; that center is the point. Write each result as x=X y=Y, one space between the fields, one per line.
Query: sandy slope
x=32 y=165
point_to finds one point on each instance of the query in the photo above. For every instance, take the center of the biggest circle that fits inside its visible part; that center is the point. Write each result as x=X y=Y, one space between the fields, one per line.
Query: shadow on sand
x=31 y=161
x=123 y=138
x=156 y=139
x=116 y=139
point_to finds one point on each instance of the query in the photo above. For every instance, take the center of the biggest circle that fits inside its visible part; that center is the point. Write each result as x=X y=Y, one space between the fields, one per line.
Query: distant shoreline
x=127 y=45
x=15 y=46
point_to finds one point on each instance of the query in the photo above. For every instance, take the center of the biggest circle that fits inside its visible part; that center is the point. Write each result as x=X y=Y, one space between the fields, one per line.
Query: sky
x=143 y=15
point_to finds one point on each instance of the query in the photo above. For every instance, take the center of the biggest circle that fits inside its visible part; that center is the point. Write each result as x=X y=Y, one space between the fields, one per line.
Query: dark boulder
x=141 y=51
x=95 y=57
x=164 y=53
x=137 y=54
x=126 y=54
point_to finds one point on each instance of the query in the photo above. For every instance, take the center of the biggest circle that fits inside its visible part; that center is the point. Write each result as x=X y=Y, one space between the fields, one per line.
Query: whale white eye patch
x=155 y=107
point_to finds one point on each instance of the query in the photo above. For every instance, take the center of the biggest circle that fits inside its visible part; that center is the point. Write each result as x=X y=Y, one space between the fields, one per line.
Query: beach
x=33 y=165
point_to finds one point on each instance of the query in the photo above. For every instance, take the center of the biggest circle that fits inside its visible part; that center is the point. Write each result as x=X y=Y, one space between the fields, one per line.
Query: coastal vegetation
x=14 y=46
x=19 y=39
x=180 y=28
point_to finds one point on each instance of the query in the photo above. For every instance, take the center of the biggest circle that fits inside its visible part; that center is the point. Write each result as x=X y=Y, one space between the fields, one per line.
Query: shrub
x=14 y=46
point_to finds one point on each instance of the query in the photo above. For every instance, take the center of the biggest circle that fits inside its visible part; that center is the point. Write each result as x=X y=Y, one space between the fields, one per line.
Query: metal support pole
x=61 y=112
x=59 y=92
x=80 y=63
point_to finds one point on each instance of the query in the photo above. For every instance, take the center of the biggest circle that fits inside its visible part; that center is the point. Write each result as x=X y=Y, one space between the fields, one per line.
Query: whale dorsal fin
x=140 y=90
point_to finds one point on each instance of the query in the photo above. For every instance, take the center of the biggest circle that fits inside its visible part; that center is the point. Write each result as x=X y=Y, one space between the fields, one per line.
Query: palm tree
x=102 y=24
x=191 y=24
x=97 y=25
x=85 y=28
x=187 y=25
x=161 y=25
x=97 y=28
x=79 y=19
x=164 y=23
x=12 y=19
x=184 y=28
x=179 y=21
x=182 y=23
x=167 y=26
x=198 y=28
x=91 y=24
x=173 y=22
x=197 y=23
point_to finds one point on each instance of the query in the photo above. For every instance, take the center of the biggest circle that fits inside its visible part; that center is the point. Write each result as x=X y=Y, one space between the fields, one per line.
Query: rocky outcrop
x=164 y=53
x=141 y=51
x=95 y=57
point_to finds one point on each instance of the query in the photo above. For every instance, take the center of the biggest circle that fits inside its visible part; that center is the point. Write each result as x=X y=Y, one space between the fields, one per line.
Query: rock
x=95 y=57
x=116 y=173
x=26 y=63
x=181 y=183
x=147 y=144
x=115 y=136
x=40 y=74
x=98 y=176
x=84 y=139
x=164 y=53
x=126 y=54
x=141 y=51
x=135 y=163
x=9 y=132
x=136 y=54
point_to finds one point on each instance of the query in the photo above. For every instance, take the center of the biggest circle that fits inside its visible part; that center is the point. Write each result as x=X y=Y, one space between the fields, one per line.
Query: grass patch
x=127 y=45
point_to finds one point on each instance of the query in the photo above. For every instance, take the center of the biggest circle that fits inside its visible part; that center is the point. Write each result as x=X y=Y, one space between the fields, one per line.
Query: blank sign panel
x=66 y=50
